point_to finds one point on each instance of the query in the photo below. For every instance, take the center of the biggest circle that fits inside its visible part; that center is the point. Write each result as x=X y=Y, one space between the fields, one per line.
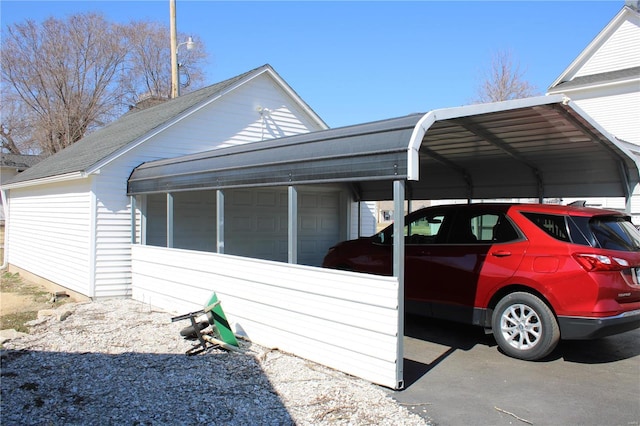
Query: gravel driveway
x=122 y=362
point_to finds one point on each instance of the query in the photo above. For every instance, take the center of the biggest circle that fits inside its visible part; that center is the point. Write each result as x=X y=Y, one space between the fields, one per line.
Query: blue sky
x=360 y=61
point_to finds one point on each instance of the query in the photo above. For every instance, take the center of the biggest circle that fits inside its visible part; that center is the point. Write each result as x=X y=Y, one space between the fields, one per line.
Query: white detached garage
x=69 y=217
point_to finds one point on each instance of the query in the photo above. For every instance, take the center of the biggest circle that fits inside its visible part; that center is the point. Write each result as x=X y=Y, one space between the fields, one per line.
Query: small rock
x=64 y=315
x=56 y=296
x=36 y=322
x=44 y=313
x=10 y=334
x=47 y=313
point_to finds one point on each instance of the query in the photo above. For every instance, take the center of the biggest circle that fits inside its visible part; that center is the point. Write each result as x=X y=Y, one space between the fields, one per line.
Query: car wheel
x=524 y=326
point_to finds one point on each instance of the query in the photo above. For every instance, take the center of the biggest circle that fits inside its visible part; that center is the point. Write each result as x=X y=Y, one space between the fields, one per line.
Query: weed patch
x=32 y=298
x=17 y=321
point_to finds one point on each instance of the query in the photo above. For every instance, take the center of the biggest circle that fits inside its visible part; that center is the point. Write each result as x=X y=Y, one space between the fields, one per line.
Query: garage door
x=257 y=223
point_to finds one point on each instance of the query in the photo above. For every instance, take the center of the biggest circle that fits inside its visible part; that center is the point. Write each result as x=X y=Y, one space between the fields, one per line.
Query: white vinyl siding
x=112 y=234
x=614 y=105
x=49 y=233
x=617 y=113
x=232 y=122
x=635 y=205
x=95 y=221
x=366 y=218
x=615 y=203
x=620 y=51
x=344 y=320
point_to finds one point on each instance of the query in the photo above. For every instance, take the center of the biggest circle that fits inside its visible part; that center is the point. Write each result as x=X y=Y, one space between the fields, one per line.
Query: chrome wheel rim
x=521 y=327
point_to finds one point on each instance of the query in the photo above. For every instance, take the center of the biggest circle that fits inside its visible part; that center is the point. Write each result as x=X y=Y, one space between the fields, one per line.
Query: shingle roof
x=133 y=125
x=605 y=77
x=19 y=161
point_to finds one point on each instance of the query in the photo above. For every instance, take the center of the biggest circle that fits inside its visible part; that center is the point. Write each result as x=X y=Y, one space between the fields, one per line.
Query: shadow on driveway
x=450 y=336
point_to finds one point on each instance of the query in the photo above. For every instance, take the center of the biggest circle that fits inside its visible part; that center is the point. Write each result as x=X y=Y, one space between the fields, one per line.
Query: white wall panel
x=49 y=233
x=344 y=320
x=367 y=219
x=620 y=51
x=617 y=112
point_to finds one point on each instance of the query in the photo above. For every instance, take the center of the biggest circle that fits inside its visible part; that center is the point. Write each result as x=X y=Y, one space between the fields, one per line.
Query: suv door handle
x=501 y=253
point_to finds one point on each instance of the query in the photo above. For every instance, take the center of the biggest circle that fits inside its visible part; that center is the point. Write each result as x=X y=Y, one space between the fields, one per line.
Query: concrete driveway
x=455 y=375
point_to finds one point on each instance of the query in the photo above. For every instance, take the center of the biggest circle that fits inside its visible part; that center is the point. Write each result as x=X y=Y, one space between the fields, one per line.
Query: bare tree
x=63 y=72
x=15 y=127
x=503 y=80
x=148 y=72
x=64 y=78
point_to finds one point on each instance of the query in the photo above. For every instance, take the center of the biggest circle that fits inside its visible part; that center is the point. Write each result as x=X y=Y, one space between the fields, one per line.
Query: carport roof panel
x=371 y=151
x=532 y=147
x=535 y=147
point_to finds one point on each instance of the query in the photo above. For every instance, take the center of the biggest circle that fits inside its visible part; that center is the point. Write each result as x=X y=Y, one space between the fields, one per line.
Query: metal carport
x=536 y=147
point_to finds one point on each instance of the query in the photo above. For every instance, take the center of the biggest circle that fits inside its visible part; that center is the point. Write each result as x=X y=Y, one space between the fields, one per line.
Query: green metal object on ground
x=217 y=318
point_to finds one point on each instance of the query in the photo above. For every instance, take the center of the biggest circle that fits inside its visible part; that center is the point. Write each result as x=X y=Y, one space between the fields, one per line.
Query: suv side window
x=424 y=230
x=580 y=232
x=481 y=227
x=503 y=231
x=554 y=225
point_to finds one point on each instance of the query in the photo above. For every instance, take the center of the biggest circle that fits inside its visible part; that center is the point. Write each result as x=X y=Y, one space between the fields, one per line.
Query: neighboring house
x=604 y=81
x=10 y=166
x=69 y=217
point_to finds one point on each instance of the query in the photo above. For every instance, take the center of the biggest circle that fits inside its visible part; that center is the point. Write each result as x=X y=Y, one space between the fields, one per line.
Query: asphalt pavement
x=456 y=375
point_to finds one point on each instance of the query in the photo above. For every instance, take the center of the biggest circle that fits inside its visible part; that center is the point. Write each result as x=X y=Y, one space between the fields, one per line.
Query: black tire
x=524 y=326
x=191 y=332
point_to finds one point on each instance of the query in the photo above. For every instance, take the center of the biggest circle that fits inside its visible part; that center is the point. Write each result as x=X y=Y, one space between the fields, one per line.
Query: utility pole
x=174 y=49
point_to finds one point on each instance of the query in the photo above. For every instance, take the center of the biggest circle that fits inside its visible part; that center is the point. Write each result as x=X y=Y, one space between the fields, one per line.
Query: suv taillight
x=599 y=262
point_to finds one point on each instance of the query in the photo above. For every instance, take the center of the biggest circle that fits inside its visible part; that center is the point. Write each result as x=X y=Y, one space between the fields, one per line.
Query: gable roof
x=625 y=14
x=106 y=144
x=19 y=162
x=597 y=79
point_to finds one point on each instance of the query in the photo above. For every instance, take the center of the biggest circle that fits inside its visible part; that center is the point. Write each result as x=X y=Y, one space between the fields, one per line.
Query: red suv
x=533 y=273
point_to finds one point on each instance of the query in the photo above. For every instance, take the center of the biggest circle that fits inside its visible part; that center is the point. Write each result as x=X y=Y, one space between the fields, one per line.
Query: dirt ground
x=20 y=301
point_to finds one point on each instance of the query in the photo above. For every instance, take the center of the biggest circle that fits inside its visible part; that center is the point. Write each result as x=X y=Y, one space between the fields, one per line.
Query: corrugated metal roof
x=373 y=150
x=531 y=147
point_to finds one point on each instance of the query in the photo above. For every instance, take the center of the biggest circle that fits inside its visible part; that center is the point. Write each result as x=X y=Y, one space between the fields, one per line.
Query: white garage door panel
x=257 y=223
x=318 y=226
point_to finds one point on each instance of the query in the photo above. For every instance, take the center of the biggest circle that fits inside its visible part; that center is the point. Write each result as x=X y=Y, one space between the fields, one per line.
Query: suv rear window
x=607 y=232
x=613 y=233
